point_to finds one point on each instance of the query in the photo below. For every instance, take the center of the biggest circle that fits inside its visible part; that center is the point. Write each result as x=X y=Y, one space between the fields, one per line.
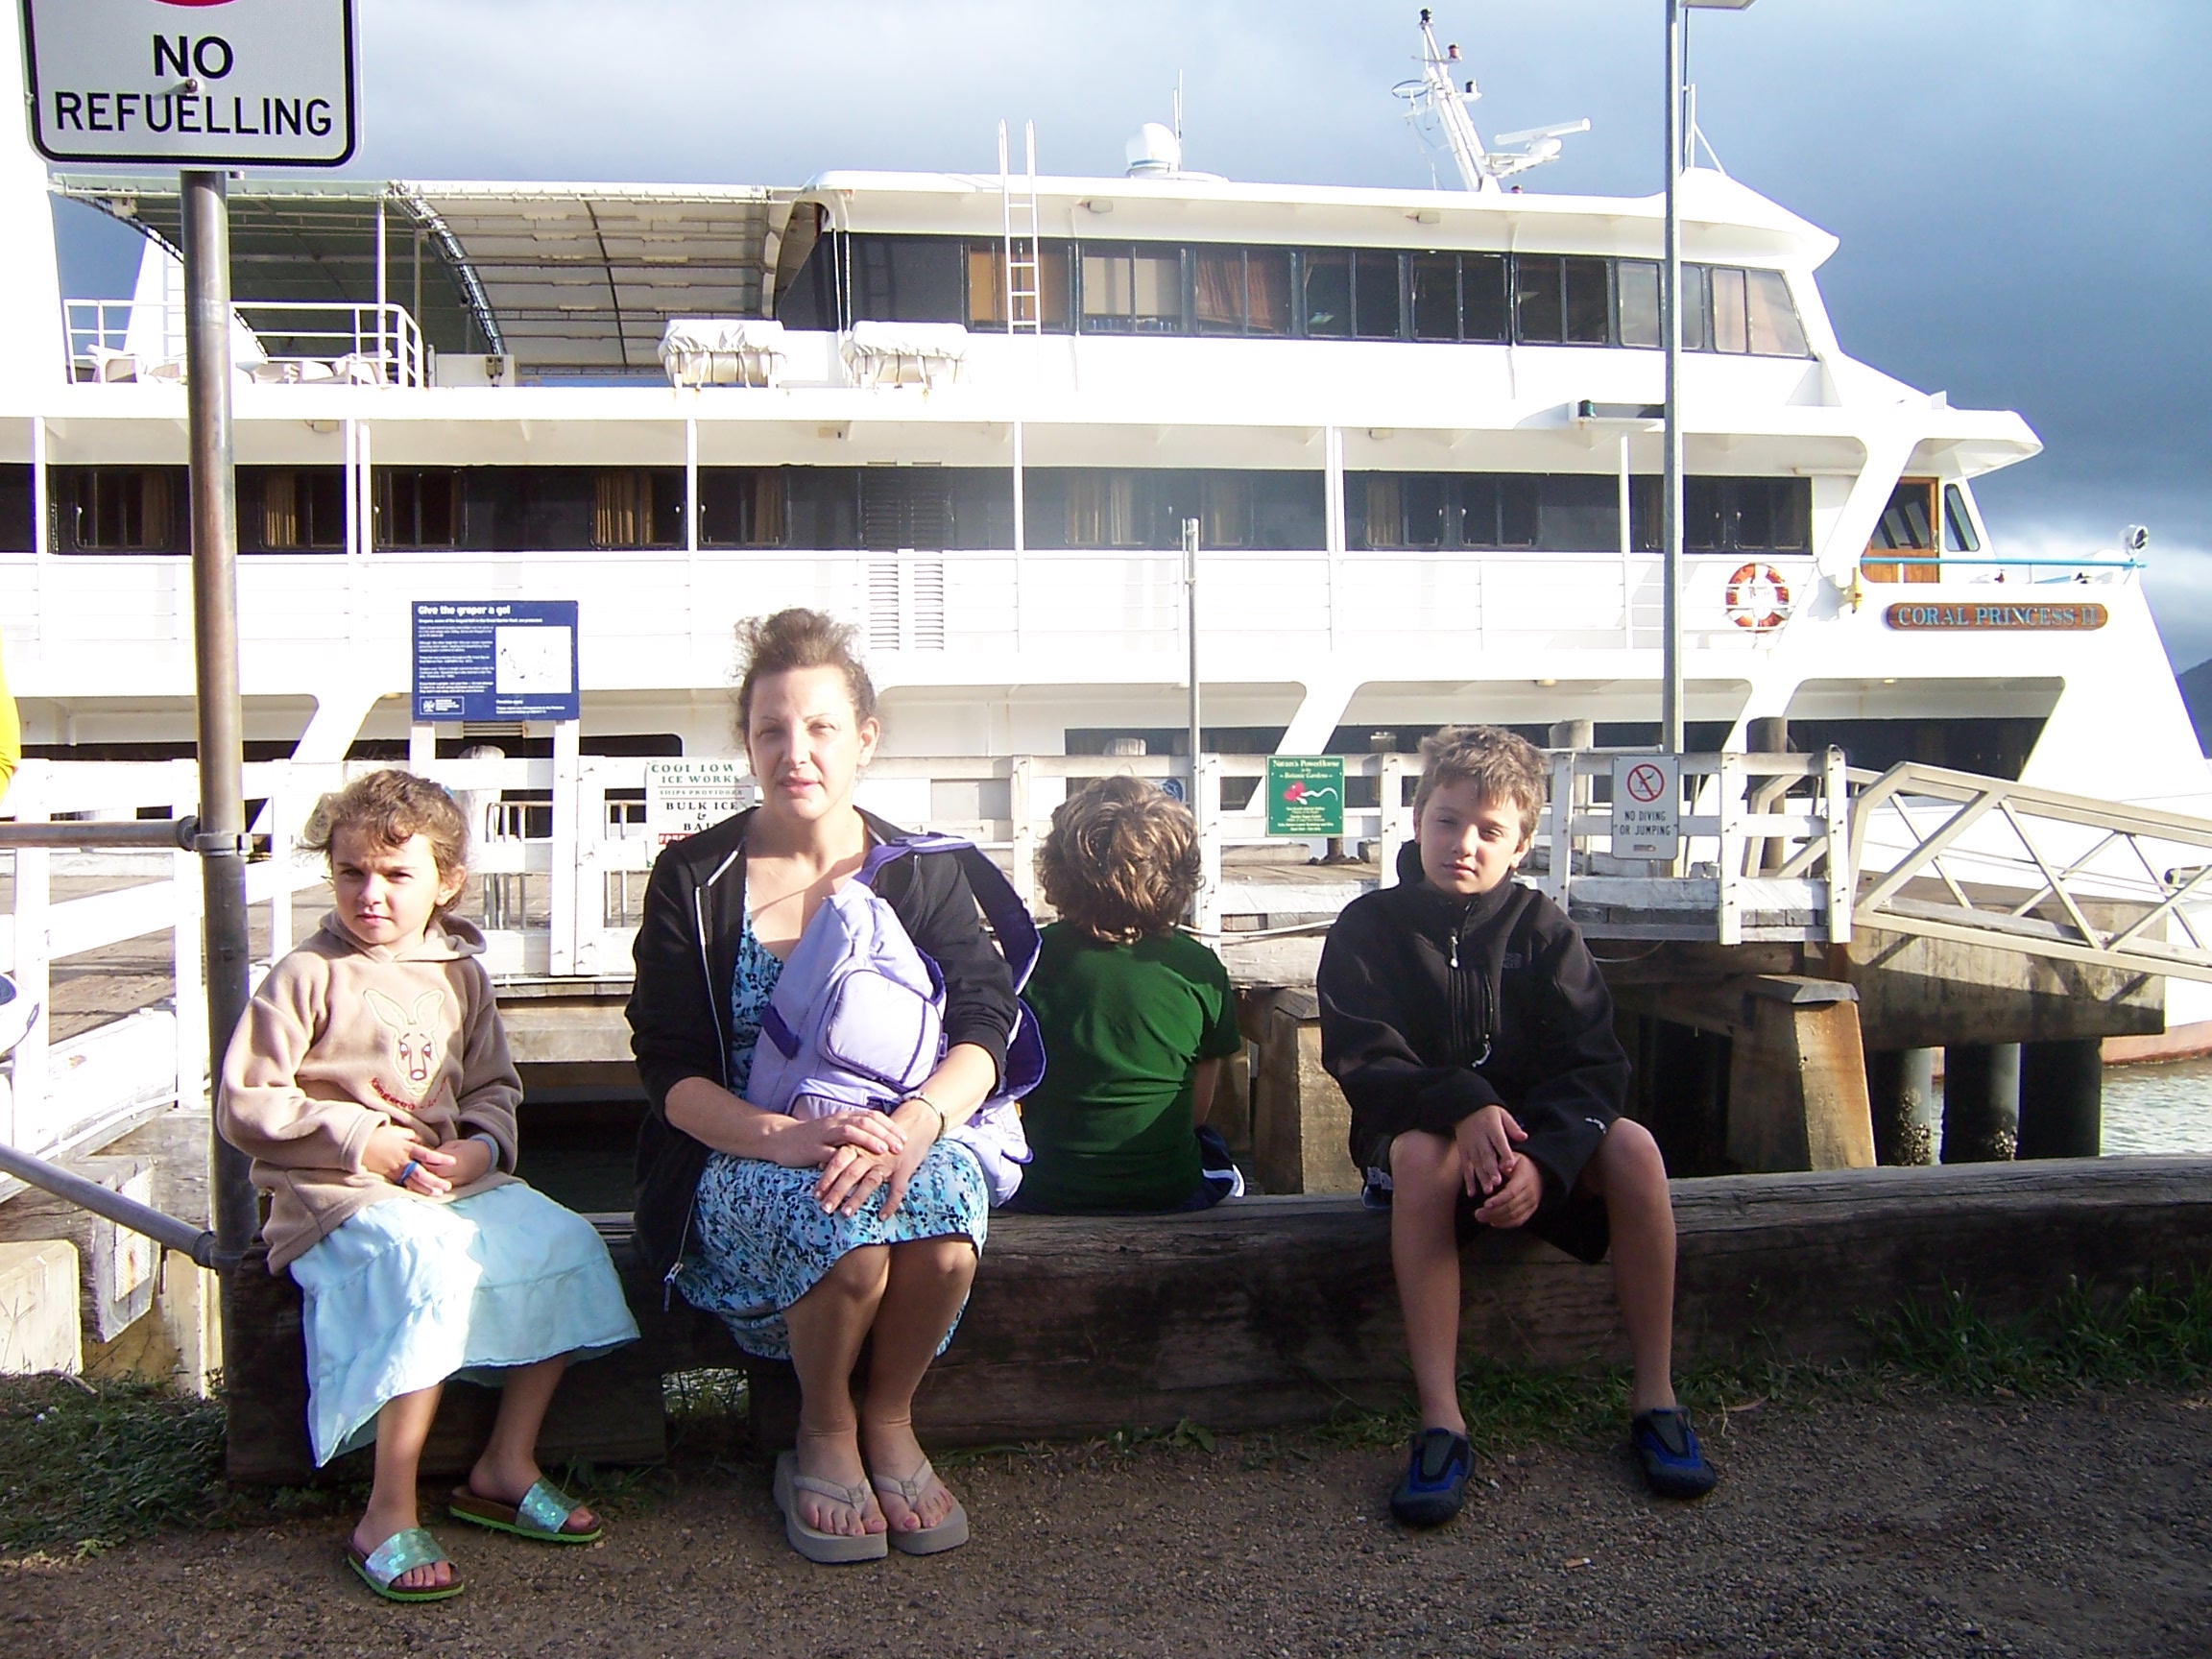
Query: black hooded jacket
x=687 y=956
x=1434 y=1006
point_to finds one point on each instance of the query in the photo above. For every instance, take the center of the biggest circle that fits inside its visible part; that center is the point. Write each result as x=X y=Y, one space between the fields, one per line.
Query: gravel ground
x=1926 y=1527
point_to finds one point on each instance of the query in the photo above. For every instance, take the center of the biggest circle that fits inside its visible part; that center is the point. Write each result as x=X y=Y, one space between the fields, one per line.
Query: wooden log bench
x=1273 y=1311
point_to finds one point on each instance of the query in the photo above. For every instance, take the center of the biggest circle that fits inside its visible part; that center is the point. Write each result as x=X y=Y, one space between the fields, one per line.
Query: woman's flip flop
x=949 y=1534
x=542 y=1514
x=397 y=1556
x=831 y=1548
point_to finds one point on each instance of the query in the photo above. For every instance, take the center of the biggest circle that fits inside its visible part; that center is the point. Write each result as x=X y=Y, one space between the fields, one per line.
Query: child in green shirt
x=1136 y=1016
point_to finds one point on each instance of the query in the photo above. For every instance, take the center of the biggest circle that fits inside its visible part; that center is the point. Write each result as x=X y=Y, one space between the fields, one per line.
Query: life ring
x=1758 y=598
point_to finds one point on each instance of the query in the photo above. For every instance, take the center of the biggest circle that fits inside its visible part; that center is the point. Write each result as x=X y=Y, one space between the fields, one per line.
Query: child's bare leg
x=928 y=1281
x=507 y=1467
x=402 y=1426
x=1630 y=1174
x=828 y=1326
x=1426 y=1177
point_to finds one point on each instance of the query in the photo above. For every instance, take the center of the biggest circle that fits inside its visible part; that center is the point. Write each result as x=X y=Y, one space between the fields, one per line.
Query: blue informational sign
x=495 y=659
x=1175 y=789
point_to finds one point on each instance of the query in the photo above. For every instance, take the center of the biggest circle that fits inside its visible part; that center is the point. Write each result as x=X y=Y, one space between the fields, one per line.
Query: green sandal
x=397 y=1556
x=542 y=1515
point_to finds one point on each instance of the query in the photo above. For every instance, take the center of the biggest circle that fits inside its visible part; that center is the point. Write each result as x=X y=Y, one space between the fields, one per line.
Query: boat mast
x=1437 y=91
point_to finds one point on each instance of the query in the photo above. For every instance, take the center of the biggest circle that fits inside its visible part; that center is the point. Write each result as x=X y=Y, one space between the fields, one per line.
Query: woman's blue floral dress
x=759 y=1240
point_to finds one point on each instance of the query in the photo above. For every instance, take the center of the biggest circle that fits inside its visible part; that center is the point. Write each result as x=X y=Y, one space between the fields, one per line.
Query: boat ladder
x=1018 y=198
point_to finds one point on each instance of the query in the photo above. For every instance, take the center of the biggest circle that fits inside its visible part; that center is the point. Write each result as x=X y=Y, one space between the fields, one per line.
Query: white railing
x=284 y=342
x=1979 y=861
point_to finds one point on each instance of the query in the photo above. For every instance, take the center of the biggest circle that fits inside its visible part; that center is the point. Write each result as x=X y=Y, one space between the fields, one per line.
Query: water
x=2161 y=1108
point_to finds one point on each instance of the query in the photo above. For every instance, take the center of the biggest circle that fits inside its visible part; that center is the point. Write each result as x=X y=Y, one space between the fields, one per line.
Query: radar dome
x=1155 y=151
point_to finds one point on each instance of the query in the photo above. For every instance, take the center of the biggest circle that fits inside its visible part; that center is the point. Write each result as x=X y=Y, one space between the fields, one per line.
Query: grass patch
x=2159 y=1334
x=85 y=1468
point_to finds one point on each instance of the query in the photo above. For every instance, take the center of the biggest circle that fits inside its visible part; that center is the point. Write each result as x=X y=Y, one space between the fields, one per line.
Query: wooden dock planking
x=1273 y=1311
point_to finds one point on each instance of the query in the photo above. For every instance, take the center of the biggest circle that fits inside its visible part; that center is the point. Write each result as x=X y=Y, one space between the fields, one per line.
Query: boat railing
x=279 y=342
x=2105 y=568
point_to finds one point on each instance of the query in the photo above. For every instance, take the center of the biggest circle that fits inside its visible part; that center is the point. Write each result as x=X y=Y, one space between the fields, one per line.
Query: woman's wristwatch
x=944 y=1123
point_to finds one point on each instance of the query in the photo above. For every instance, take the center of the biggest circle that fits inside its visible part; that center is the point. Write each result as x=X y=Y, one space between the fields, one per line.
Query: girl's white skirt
x=408 y=1293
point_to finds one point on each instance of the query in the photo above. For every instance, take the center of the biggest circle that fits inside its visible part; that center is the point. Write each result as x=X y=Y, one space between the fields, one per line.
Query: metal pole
x=221 y=839
x=1671 y=465
x=166 y=1231
x=1191 y=628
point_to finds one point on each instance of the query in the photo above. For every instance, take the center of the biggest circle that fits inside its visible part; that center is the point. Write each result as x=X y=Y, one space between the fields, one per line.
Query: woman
x=807 y=1236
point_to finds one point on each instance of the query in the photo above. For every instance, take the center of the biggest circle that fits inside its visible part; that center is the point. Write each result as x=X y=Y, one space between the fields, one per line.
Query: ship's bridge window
x=121 y=509
x=291 y=509
x=15 y=522
x=1132 y=289
x=1959 y=533
x=1727 y=514
x=1908 y=525
x=417 y=506
x=987 y=288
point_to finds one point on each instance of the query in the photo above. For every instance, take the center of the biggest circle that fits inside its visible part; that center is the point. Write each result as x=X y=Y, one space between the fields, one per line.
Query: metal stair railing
x=1981 y=861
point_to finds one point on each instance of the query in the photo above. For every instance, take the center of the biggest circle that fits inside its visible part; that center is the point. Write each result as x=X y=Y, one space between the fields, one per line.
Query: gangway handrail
x=1994 y=847
x=166 y=834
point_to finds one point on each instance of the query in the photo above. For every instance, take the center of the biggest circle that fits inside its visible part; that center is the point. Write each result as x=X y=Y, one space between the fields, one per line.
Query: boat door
x=1908 y=527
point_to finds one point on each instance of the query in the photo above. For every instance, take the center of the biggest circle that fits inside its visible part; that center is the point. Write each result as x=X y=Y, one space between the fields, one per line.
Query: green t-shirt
x=1122 y=1025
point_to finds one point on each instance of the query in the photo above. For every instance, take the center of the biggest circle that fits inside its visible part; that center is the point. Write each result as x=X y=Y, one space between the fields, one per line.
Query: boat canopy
x=573 y=281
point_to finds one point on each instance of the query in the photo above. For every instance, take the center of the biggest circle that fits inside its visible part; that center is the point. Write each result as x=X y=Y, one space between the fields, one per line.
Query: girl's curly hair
x=1122 y=861
x=390 y=807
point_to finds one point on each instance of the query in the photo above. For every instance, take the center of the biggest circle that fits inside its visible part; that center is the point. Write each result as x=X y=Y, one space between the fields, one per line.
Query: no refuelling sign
x=191 y=82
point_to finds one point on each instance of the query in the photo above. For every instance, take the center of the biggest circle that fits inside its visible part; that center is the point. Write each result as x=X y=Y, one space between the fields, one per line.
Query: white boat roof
x=581 y=279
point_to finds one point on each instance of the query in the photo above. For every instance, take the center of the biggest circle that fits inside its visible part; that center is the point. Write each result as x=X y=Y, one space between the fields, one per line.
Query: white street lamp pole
x=1671 y=715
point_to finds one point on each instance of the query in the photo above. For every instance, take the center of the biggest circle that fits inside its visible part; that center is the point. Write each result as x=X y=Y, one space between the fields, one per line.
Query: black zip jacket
x=687 y=956
x=1434 y=1006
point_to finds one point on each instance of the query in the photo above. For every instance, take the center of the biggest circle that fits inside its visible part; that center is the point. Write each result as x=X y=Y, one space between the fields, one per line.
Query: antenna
x=1178 y=107
x=1433 y=96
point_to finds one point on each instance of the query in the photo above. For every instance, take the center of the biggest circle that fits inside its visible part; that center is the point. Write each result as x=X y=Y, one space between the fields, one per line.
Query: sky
x=2023 y=188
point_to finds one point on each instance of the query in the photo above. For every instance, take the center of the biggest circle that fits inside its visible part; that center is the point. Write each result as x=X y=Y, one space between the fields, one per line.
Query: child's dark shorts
x=1575 y=1221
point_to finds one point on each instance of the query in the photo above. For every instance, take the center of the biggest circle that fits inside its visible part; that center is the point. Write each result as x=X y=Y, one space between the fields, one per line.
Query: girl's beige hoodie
x=344 y=1038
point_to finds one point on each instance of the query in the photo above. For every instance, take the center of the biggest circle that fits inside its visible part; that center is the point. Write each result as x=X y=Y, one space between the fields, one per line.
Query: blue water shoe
x=1435 y=1482
x=1667 y=1447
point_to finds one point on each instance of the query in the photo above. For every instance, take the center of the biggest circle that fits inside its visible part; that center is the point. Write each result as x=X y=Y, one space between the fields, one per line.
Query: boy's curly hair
x=1501 y=765
x=390 y=807
x=1122 y=861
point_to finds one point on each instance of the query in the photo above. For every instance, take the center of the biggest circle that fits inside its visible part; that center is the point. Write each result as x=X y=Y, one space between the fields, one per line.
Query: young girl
x=370 y=1083
x=1136 y=1017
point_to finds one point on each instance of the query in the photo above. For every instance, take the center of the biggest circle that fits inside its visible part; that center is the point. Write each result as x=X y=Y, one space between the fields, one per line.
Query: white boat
x=1417 y=429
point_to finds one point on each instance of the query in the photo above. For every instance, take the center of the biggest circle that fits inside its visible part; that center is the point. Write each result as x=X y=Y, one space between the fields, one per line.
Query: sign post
x=202 y=86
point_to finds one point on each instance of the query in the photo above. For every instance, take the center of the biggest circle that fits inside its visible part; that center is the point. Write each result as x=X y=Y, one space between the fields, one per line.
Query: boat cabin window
x=1537 y=512
x=1959 y=533
x=15 y=522
x=291 y=509
x=1637 y=286
x=1727 y=514
x=1313 y=293
x=1906 y=526
x=1096 y=507
x=121 y=509
x=1053 y=279
x=909 y=279
x=905 y=507
x=1242 y=291
x=638 y=507
x=742 y=507
x=1132 y=289
x=417 y=506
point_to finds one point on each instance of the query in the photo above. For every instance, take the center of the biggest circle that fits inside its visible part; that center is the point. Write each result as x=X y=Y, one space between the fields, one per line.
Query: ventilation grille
x=906 y=604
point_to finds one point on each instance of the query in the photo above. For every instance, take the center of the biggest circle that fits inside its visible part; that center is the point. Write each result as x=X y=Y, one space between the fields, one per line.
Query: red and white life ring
x=1758 y=598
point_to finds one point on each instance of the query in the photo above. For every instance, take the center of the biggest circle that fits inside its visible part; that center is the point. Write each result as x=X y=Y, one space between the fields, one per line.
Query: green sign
x=1306 y=795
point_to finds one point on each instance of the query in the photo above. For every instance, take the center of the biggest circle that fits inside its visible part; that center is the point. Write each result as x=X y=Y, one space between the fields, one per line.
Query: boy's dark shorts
x=1574 y=1222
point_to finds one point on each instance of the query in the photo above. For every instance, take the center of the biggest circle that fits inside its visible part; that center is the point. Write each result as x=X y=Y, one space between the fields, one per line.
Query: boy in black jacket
x=1473 y=1037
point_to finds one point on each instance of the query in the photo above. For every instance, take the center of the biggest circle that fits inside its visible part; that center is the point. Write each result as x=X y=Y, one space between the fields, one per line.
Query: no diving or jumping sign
x=1647 y=806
